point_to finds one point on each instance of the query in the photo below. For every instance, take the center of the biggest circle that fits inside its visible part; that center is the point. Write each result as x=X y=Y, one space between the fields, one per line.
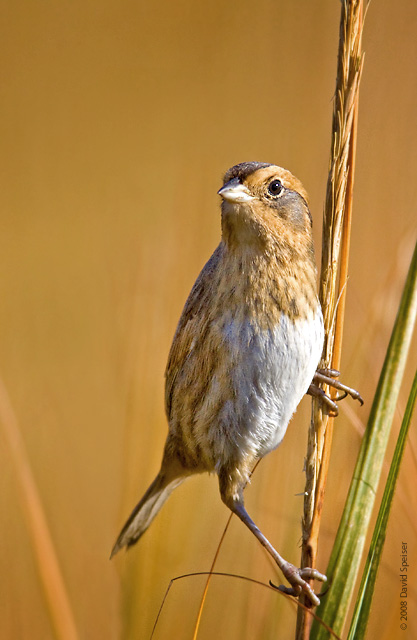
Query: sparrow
x=245 y=351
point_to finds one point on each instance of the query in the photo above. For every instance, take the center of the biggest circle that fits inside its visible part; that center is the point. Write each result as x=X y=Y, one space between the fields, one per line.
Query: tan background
x=117 y=121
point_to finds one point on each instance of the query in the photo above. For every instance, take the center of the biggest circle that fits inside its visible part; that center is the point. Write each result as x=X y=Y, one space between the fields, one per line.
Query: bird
x=245 y=351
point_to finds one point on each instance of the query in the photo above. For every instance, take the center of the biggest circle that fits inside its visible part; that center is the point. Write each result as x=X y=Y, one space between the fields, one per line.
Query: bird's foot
x=328 y=376
x=298 y=581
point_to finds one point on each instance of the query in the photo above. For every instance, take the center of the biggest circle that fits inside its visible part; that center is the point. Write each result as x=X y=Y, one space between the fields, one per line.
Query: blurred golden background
x=118 y=120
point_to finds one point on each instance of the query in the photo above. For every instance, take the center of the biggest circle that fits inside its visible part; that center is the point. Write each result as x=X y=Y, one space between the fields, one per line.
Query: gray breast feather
x=271 y=371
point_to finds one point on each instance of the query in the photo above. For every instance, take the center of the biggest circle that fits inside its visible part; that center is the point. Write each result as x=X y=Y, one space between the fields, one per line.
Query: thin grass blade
x=347 y=551
x=366 y=590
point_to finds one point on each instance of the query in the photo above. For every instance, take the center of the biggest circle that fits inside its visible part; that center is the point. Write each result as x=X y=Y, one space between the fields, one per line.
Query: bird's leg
x=296 y=577
x=328 y=376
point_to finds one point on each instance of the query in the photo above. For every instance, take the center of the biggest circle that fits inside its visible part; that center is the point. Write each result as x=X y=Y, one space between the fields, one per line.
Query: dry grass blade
x=223 y=574
x=211 y=572
x=334 y=267
x=50 y=574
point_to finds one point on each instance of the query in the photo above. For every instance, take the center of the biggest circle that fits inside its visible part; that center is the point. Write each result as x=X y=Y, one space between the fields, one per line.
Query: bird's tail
x=146 y=510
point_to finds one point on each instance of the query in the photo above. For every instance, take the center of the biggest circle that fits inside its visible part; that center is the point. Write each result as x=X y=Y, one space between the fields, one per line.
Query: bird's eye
x=275 y=187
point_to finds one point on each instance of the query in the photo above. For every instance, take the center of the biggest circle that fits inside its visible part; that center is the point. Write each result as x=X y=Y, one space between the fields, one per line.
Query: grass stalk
x=57 y=600
x=337 y=219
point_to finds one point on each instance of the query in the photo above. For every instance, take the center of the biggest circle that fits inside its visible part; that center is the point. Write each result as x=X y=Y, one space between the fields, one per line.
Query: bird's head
x=263 y=204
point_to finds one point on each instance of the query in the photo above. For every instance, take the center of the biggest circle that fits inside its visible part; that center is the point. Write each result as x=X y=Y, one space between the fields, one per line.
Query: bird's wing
x=192 y=325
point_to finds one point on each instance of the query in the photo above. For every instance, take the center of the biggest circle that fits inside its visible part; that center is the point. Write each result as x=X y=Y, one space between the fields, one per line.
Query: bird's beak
x=235 y=191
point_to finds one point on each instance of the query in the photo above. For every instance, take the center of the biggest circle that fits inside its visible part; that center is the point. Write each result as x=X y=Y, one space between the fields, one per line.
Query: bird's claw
x=328 y=376
x=298 y=580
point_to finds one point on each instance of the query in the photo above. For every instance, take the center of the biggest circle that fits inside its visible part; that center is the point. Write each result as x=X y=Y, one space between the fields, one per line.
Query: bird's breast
x=244 y=355
x=270 y=371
